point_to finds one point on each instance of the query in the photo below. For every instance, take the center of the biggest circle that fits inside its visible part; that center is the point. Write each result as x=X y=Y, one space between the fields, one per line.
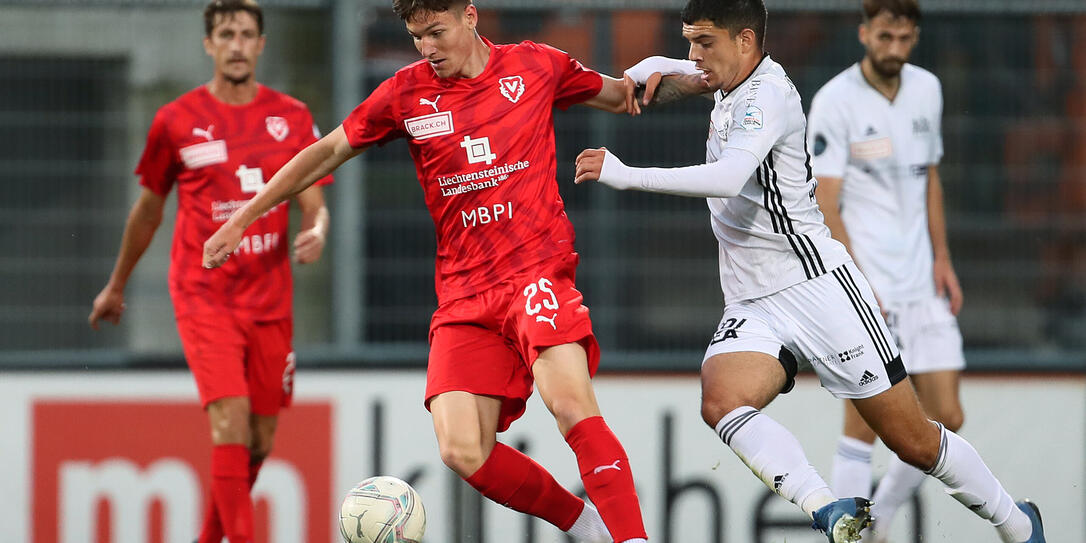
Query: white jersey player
x=791 y=291
x=876 y=144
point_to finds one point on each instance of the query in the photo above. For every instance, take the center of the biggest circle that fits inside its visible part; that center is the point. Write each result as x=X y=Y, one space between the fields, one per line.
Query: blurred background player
x=218 y=143
x=479 y=122
x=790 y=289
x=875 y=136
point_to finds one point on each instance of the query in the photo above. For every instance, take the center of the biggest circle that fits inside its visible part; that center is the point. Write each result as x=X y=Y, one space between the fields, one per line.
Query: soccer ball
x=382 y=510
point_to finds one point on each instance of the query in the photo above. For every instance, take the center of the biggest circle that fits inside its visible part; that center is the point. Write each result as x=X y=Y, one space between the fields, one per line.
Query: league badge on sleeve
x=277 y=127
x=752 y=118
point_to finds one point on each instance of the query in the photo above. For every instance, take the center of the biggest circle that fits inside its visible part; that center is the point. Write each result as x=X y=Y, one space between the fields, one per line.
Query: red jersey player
x=478 y=118
x=218 y=143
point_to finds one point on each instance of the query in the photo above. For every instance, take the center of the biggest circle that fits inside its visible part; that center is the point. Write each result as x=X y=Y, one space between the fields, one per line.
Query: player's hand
x=589 y=165
x=308 y=246
x=220 y=245
x=946 y=284
x=108 y=305
x=633 y=105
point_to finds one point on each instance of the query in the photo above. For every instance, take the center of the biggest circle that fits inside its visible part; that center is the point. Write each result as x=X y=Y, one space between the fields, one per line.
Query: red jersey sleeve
x=309 y=138
x=375 y=119
x=575 y=82
x=159 y=165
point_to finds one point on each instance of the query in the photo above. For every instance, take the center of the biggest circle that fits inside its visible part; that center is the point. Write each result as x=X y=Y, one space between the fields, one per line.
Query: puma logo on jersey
x=433 y=104
x=206 y=134
x=548 y=320
x=613 y=465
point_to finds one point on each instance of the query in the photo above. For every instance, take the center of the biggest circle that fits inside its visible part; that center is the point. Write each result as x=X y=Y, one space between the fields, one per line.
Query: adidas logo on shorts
x=868 y=378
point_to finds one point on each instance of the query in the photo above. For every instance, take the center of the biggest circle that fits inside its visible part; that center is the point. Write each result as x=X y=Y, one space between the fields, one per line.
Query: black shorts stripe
x=868 y=325
x=871 y=312
x=896 y=370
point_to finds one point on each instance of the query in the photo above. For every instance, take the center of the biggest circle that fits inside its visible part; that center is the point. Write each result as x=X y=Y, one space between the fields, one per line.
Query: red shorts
x=486 y=344
x=230 y=356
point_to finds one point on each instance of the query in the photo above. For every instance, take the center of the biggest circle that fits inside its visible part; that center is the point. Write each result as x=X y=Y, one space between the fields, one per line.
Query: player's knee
x=463 y=458
x=713 y=409
x=569 y=410
x=230 y=424
x=919 y=451
x=952 y=418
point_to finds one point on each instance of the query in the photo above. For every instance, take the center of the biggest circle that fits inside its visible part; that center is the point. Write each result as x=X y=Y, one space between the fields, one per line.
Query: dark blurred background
x=81 y=80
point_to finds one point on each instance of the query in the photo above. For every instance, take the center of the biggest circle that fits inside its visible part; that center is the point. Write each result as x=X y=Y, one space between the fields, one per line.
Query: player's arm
x=659 y=80
x=721 y=179
x=309 y=243
x=946 y=281
x=313 y=163
x=612 y=96
x=143 y=220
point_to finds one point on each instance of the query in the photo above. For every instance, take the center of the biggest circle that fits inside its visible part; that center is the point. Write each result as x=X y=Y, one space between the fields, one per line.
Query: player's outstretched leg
x=897 y=418
x=466 y=428
x=734 y=386
x=938 y=394
x=561 y=374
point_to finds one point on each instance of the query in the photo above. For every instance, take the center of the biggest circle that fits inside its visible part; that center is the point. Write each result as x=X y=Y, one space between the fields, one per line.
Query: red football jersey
x=219 y=155
x=484 y=154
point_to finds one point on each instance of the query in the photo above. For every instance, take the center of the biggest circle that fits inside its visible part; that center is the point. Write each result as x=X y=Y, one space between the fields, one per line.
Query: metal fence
x=80 y=81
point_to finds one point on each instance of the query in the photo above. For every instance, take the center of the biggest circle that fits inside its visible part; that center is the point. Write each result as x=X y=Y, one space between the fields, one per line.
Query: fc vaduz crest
x=512 y=87
x=277 y=127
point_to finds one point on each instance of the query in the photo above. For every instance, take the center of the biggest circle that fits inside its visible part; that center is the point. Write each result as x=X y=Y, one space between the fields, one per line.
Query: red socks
x=510 y=478
x=230 y=475
x=605 y=472
x=212 y=529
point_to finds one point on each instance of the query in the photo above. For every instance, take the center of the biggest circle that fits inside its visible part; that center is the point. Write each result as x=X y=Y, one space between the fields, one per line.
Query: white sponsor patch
x=429 y=126
x=252 y=179
x=204 y=154
x=871 y=149
x=752 y=119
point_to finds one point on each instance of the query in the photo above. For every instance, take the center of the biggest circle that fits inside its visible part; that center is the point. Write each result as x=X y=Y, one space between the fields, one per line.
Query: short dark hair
x=909 y=9
x=229 y=7
x=409 y=9
x=732 y=15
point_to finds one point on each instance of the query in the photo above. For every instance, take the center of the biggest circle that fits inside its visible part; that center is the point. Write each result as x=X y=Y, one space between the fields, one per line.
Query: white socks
x=775 y=456
x=970 y=482
x=852 y=468
x=589 y=527
x=896 y=487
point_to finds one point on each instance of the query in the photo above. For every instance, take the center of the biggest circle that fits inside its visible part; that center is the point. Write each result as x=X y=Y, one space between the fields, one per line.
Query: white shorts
x=831 y=322
x=927 y=334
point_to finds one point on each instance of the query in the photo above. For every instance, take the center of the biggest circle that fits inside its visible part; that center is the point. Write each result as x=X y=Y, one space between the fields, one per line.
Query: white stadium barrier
x=126 y=453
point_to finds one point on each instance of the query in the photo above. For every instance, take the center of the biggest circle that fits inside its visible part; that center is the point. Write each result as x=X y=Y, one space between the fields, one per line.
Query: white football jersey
x=771 y=234
x=882 y=151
